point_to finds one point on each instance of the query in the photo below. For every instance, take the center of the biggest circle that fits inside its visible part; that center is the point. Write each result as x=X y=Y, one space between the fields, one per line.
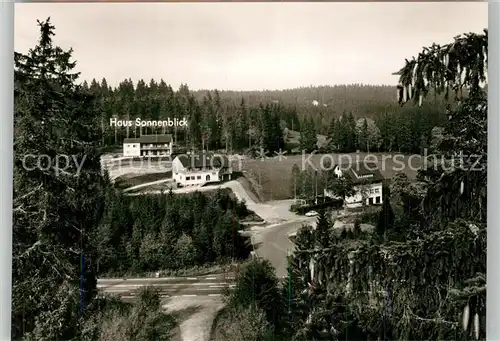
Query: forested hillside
x=237 y=121
x=140 y=234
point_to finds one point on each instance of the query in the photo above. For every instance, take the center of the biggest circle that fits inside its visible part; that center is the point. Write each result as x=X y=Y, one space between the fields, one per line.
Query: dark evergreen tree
x=332 y=135
x=322 y=233
x=55 y=210
x=241 y=133
x=386 y=218
x=357 y=228
x=257 y=285
x=272 y=134
x=308 y=138
x=363 y=137
x=350 y=133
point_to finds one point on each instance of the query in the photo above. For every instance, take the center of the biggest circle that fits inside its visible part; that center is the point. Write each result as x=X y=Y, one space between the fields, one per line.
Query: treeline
x=169 y=232
x=212 y=121
x=239 y=121
x=406 y=130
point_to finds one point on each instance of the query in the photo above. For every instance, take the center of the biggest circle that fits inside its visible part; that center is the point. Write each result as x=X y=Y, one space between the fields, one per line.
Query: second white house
x=367 y=181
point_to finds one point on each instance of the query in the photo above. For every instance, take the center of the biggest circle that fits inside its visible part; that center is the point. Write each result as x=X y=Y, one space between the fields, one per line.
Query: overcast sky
x=248 y=46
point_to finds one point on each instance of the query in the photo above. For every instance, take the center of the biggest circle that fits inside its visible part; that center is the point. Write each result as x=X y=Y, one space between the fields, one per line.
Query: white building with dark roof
x=148 y=145
x=367 y=181
x=198 y=170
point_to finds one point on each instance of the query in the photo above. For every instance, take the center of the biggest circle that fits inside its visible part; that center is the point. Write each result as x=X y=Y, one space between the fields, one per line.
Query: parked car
x=311 y=214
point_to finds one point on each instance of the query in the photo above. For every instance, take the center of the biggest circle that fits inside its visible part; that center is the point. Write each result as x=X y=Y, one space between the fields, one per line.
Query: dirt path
x=195 y=315
x=147 y=184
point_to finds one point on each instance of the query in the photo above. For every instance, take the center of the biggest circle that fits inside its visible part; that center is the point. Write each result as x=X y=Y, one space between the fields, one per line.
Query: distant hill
x=361 y=100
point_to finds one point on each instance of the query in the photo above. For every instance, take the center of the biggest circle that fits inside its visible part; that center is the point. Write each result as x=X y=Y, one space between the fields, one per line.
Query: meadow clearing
x=272 y=178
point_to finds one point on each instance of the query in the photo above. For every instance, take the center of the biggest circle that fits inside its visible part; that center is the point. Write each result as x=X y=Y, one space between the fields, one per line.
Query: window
x=377 y=200
x=213 y=173
x=208 y=177
x=377 y=190
x=198 y=177
x=188 y=178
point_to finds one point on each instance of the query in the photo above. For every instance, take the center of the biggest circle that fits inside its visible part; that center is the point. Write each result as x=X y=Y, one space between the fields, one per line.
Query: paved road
x=273 y=243
x=209 y=285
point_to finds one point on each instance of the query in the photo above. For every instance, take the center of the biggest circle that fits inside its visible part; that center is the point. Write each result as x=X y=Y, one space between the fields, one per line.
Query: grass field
x=130 y=180
x=272 y=178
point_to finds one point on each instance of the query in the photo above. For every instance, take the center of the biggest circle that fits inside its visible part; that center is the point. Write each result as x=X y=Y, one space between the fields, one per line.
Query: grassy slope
x=273 y=178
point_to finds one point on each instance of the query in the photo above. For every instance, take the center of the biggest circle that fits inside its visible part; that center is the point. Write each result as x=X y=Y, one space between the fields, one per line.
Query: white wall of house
x=370 y=194
x=148 y=148
x=337 y=171
x=197 y=178
x=178 y=170
x=138 y=149
x=193 y=177
x=131 y=149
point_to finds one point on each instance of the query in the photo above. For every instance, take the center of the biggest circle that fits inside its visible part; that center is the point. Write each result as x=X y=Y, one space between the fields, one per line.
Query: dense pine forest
x=169 y=232
x=238 y=121
x=419 y=276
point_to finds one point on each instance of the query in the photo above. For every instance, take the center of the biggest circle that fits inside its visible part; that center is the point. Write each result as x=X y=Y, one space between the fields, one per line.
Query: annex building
x=198 y=170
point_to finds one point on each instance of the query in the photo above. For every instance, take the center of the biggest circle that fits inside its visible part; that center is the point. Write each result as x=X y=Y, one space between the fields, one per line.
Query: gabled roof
x=165 y=138
x=203 y=161
x=362 y=172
